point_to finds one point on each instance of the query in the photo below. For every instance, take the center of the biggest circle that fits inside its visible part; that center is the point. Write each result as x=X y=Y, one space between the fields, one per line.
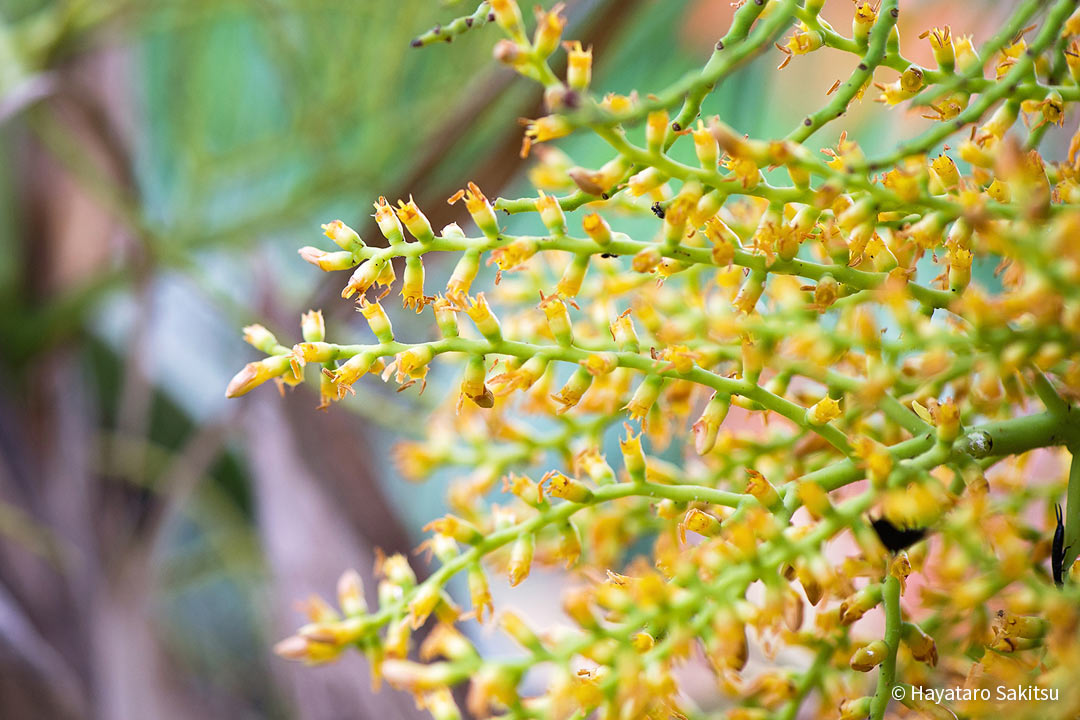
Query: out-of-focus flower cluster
x=817 y=357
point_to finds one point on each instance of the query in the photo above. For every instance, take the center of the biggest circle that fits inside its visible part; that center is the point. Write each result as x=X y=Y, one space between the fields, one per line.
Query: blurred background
x=160 y=163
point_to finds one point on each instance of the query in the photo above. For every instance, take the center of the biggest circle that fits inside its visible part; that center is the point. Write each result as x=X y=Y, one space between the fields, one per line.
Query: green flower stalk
x=808 y=346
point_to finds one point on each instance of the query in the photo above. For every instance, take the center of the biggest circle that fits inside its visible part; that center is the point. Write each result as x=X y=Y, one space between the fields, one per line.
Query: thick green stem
x=890 y=594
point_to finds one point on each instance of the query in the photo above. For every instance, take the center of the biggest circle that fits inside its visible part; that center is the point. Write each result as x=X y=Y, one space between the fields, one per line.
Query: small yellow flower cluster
x=812 y=346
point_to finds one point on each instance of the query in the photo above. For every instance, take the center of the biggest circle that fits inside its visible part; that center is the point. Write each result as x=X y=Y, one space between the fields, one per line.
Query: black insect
x=608 y=255
x=1058 y=550
x=894 y=538
x=658 y=210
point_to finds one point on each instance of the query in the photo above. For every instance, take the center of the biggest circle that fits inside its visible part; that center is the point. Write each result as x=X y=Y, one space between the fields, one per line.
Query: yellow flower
x=578 y=66
x=549 y=127
x=941 y=44
x=824 y=411
x=549 y=28
x=479 y=208
x=803 y=40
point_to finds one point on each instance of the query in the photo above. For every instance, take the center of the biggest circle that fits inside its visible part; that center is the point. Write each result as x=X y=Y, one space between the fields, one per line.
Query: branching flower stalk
x=831 y=405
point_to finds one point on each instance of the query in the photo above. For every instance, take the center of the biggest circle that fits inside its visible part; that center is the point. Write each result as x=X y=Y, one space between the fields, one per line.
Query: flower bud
x=424 y=601
x=412 y=284
x=999 y=123
x=700 y=522
x=480 y=313
x=854 y=607
x=377 y=319
x=454 y=527
x=417 y=678
x=645 y=397
x=948 y=422
x=707 y=207
x=708 y=425
x=388 y=222
x=922 y=646
x=472 y=382
x=724 y=241
x=512 y=624
x=814 y=498
x=642 y=642
x=483 y=214
x=464 y=273
x=758 y=486
x=592 y=463
x=579 y=66
x=522 y=377
x=397 y=571
x=260 y=338
x=577 y=604
x=327 y=261
x=479 y=592
x=365 y=275
x=646 y=181
x=343 y=236
x=306 y=650
x=622 y=331
x=551 y=213
x=446 y=317
x=549 y=28
x=647 y=259
x=656 y=127
x=944 y=172
x=959 y=269
x=351 y=370
x=573 y=276
x=509 y=257
x=750 y=292
x=415 y=221
x=597 y=229
x=398 y=636
x=508 y=16
x=633 y=456
x=414 y=361
x=863 y=21
x=855 y=708
x=513 y=55
x=256 y=373
x=441 y=705
x=567 y=488
x=350 y=592
x=558 y=319
x=452 y=230
x=706 y=148
x=869 y=656
x=521 y=556
x=572 y=392
x=601 y=363
x=568 y=547
x=312 y=326
x=525 y=489
x=678 y=213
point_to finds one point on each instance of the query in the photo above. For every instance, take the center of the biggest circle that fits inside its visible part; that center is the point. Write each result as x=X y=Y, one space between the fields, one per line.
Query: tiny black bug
x=657 y=210
x=608 y=255
x=896 y=539
x=1058 y=550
